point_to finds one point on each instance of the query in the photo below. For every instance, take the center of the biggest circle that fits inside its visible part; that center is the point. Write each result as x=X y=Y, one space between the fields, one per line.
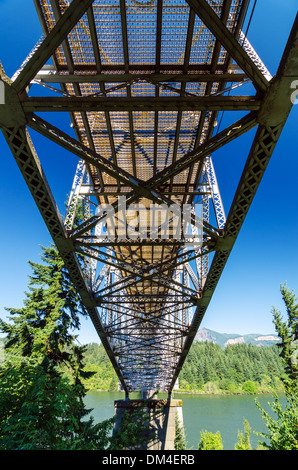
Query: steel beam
x=229 y=42
x=25 y=155
x=145 y=190
x=135 y=103
x=74 y=12
x=273 y=116
x=45 y=76
x=107 y=241
x=216 y=142
x=147 y=304
x=141 y=189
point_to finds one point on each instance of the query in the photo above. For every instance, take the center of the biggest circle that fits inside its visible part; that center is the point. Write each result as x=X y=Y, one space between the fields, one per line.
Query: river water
x=213 y=413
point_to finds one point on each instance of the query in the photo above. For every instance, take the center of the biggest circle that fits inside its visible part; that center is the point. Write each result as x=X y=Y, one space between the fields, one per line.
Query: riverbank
x=239 y=369
x=200 y=392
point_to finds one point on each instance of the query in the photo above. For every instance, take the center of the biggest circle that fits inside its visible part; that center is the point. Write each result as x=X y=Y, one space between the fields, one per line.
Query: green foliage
x=249 y=387
x=244 y=439
x=208 y=368
x=42 y=327
x=288 y=332
x=238 y=368
x=283 y=428
x=40 y=407
x=134 y=429
x=45 y=375
x=103 y=376
x=180 y=441
x=42 y=378
x=210 y=441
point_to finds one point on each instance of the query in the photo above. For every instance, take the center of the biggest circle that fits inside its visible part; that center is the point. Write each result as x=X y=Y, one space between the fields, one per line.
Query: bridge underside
x=146 y=84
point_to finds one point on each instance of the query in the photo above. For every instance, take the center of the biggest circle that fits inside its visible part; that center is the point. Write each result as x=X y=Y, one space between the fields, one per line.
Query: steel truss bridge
x=145 y=83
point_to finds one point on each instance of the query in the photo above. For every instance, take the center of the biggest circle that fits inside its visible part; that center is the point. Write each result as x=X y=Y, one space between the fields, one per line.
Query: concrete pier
x=160 y=430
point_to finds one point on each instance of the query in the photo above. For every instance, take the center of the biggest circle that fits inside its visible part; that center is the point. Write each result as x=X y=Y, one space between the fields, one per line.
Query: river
x=224 y=413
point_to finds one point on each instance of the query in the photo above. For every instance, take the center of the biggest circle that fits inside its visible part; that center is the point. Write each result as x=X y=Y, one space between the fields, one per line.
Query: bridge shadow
x=156 y=419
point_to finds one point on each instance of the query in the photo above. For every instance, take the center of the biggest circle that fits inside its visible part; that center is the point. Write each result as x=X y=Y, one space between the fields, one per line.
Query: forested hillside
x=209 y=368
x=97 y=361
x=239 y=368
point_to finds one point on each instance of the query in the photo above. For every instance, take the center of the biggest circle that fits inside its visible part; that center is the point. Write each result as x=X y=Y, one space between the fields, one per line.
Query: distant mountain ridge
x=226 y=339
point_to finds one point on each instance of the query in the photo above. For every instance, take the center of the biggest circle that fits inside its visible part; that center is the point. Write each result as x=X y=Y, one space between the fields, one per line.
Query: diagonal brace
x=229 y=42
x=68 y=20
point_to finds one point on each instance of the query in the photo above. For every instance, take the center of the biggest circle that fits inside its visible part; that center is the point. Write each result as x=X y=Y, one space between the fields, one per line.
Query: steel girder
x=145 y=130
x=121 y=104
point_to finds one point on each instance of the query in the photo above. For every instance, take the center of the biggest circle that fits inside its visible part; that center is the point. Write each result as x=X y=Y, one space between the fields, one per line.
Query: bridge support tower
x=163 y=418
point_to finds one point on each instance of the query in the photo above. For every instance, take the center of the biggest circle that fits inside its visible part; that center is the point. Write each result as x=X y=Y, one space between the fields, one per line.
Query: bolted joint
x=11 y=111
x=224 y=243
x=64 y=244
x=277 y=102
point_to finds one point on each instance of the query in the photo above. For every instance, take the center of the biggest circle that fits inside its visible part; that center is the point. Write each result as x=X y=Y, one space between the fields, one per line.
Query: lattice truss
x=145 y=83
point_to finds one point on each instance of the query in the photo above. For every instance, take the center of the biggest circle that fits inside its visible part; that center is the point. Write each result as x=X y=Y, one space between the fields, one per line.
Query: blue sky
x=265 y=254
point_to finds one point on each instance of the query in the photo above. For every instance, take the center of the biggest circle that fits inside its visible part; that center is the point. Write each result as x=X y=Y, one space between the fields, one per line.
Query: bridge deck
x=146 y=83
x=147 y=320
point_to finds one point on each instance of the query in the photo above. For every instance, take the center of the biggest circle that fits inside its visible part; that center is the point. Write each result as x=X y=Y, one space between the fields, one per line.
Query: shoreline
x=188 y=392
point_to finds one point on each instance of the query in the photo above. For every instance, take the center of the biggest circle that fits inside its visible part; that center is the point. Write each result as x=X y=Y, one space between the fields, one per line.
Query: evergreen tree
x=180 y=441
x=40 y=407
x=244 y=439
x=229 y=368
x=210 y=441
x=283 y=431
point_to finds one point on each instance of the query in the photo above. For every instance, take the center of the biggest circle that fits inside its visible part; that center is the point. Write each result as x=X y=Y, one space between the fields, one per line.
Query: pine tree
x=180 y=441
x=40 y=407
x=210 y=441
x=244 y=438
x=283 y=431
x=288 y=332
